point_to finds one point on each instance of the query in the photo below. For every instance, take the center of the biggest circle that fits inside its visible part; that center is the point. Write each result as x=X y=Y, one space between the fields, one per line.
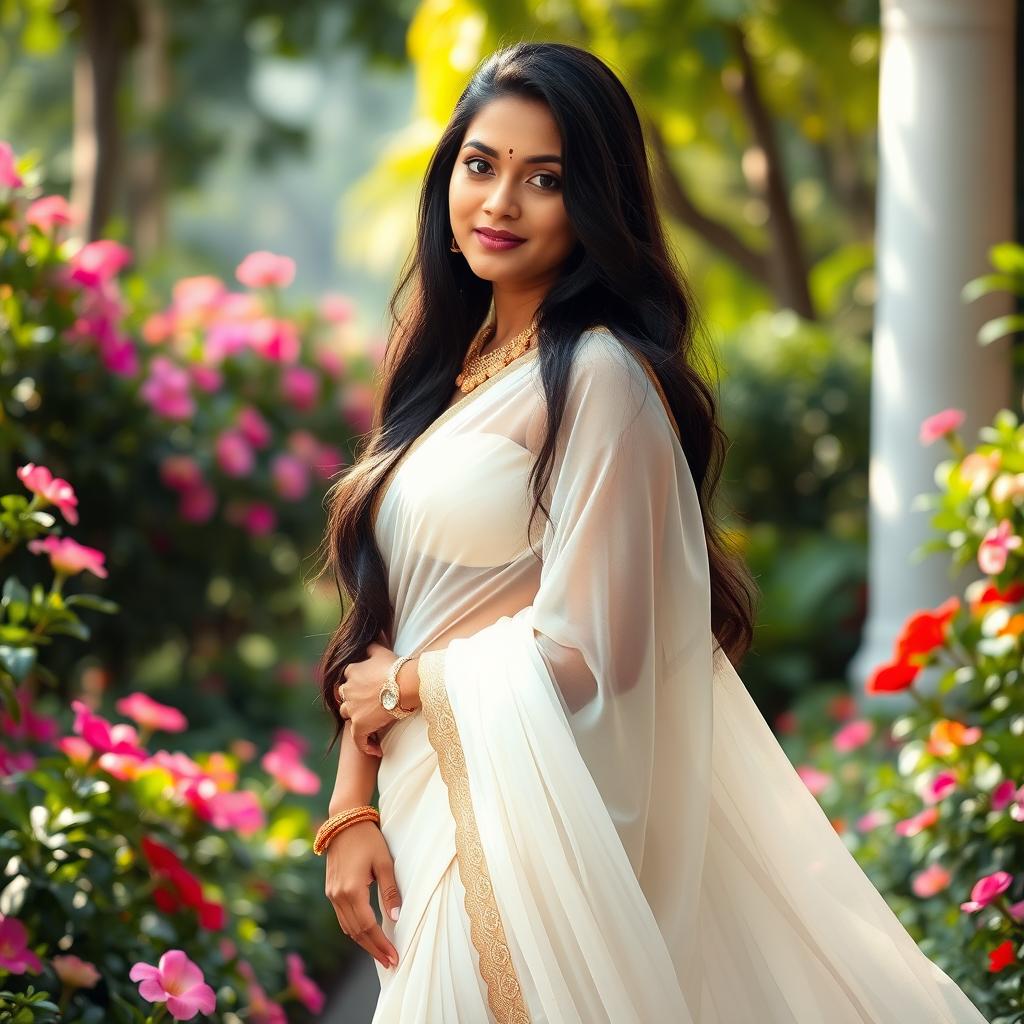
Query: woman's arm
x=357 y=774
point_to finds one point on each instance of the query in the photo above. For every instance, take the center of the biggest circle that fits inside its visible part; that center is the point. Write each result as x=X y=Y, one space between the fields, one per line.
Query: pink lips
x=496 y=243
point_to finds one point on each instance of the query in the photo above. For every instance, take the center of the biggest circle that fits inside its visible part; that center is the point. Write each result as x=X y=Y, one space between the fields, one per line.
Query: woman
x=583 y=816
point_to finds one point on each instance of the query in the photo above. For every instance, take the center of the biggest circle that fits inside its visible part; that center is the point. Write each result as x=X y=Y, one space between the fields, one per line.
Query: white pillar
x=945 y=195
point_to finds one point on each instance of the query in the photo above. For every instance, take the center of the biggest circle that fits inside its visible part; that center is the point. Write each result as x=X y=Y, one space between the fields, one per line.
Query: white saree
x=590 y=819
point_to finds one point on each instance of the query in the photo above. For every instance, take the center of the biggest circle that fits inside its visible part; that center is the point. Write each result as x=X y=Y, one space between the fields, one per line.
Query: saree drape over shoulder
x=590 y=819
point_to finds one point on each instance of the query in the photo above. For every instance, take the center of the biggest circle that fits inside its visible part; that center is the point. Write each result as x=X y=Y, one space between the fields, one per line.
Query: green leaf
x=93 y=602
x=993 y=330
x=71 y=627
x=988 y=283
x=18 y=661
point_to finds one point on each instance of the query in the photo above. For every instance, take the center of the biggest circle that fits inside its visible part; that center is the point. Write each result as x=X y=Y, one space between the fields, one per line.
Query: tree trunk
x=96 y=136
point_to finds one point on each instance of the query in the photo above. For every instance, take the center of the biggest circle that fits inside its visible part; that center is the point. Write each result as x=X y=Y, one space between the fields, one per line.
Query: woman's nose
x=501 y=199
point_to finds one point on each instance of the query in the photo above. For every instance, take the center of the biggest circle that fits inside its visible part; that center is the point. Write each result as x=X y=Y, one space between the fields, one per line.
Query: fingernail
x=394 y=913
x=394 y=961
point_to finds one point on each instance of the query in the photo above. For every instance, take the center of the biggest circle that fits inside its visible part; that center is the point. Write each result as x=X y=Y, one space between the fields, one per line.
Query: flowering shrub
x=120 y=857
x=933 y=803
x=202 y=432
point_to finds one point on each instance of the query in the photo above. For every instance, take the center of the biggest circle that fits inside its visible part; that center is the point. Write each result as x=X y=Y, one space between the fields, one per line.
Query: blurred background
x=203 y=210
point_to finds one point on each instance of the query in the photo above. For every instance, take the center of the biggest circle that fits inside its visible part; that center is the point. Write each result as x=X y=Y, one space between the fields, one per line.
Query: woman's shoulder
x=620 y=373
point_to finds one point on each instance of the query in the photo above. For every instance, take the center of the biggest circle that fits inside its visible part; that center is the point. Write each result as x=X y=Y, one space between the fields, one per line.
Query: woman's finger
x=373 y=937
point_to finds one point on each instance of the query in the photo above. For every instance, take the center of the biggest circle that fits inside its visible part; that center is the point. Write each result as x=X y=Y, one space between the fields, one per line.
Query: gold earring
x=454 y=247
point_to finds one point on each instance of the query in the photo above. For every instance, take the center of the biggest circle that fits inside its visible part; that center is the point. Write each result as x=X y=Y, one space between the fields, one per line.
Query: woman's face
x=498 y=183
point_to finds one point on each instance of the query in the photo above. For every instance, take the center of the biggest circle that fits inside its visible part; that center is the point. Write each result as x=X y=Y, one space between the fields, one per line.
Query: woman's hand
x=355 y=857
x=361 y=693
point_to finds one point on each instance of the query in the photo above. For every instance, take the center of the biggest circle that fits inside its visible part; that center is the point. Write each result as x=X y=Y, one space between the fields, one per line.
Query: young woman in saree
x=583 y=817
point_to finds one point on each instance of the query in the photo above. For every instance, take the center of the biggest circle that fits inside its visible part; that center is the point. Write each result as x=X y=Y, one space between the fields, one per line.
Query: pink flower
x=12 y=761
x=69 y=557
x=15 y=956
x=853 y=735
x=1003 y=794
x=996 y=546
x=253 y=426
x=197 y=504
x=289 y=772
x=873 y=819
x=931 y=881
x=206 y=378
x=328 y=460
x=9 y=177
x=32 y=726
x=284 y=737
x=816 y=781
x=75 y=972
x=918 y=822
x=75 y=749
x=940 y=787
x=226 y=339
x=158 y=327
x=264 y=269
x=259 y=518
x=151 y=714
x=48 y=212
x=300 y=387
x=234 y=453
x=52 y=489
x=335 y=309
x=176 y=981
x=290 y=476
x=104 y=737
x=357 y=405
x=168 y=390
x=262 y=1009
x=276 y=340
x=98 y=262
x=240 y=810
x=306 y=990
x=197 y=295
x=329 y=361
x=180 y=472
x=941 y=423
x=986 y=889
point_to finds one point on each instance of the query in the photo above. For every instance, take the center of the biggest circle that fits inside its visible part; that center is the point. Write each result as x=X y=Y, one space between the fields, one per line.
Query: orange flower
x=948 y=735
x=1014 y=627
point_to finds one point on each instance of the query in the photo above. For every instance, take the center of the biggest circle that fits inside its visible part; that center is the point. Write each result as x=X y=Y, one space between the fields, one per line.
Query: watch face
x=389 y=700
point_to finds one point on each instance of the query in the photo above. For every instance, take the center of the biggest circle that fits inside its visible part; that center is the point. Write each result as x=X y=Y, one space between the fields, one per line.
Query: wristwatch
x=390 y=695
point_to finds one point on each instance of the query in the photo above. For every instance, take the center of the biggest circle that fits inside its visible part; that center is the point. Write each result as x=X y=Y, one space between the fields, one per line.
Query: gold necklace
x=476 y=368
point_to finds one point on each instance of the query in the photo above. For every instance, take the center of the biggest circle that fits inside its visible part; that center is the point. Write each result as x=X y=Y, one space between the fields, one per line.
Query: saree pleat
x=590 y=819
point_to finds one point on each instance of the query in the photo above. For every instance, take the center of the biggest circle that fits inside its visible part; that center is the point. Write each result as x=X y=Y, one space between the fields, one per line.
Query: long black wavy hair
x=620 y=275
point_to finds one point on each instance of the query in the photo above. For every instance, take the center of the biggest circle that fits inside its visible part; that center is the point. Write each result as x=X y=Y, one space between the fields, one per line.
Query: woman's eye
x=555 y=183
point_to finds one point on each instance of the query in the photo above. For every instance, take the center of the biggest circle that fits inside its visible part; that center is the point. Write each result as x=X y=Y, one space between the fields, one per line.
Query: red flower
x=1002 y=956
x=178 y=887
x=924 y=631
x=892 y=678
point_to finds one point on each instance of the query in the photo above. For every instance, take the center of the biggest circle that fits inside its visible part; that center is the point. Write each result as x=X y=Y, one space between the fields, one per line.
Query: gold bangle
x=335 y=823
x=325 y=836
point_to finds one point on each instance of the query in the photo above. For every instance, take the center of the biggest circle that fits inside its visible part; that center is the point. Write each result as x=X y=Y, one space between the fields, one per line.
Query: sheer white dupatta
x=568 y=732
x=633 y=843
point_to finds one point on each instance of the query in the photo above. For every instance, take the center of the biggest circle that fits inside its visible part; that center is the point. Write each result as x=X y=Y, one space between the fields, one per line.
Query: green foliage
x=794 y=400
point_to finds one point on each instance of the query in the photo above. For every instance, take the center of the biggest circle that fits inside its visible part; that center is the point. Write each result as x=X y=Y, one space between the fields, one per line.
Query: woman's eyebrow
x=544 y=158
